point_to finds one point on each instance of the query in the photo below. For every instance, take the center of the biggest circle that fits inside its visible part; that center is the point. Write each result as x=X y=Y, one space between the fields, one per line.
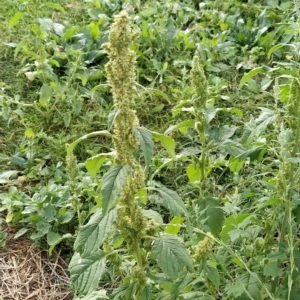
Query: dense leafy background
x=54 y=91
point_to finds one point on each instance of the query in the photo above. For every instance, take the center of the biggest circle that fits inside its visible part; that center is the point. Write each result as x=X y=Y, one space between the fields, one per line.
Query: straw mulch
x=28 y=273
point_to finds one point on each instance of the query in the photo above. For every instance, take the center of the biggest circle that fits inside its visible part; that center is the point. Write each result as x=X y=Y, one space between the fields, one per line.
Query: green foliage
x=198 y=199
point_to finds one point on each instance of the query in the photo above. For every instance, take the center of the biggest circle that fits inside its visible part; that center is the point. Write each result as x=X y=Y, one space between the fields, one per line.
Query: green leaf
x=119 y=292
x=57 y=241
x=112 y=117
x=211 y=214
x=146 y=294
x=235 y=164
x=251 y=74
x=92 y=235
x=180 y=284
x=144 y=137
x=148 y=12
x=45 y=94
x=52 y=237
x=197 y=296
x=171 y=200
x=232 y=223
x=275 y=48
x=272 y=269
x=213 y=275
x=93 y=164
x=171 y=255
x=183 y=127
x=86 y=272
x=245 y=283
x=20 y=232
x=152 y=214
x=86 y=136
x=96 y=295
x=15 y=19
x=166 y=141
x=113 y=181
x=55 y=6
x=174 y=225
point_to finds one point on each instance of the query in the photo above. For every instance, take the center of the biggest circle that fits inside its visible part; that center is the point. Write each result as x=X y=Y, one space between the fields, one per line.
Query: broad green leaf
x=171 y=200
x=197 y=296
x=93 y=164
x=112 y=117
x=86 y=136
x=275 y=48
x=245 y=283
x=55 y=6
x=146 y=294
x=15 y=19
x=235 y=164
x=96 y=295
x=180 y=284
x=166 y=141
x=45 y=94
x=148 y=12
x=174 y=225
x=213 y=275
x=130 y=291
x=152 y=214
x=57 y=241
x=87 y=272
x=221 y=134
x=211 y=214
x=231 y=223
x=92 y=235
x=46 y=24
x=272 y=269
x=254 y=153
x=194 y=174
x=183 y=127
x=171 y=255
x=113 y=181
x=52 y=237
x=144 y=137
x=20 y=232
x=251 y=74
x=119 y=292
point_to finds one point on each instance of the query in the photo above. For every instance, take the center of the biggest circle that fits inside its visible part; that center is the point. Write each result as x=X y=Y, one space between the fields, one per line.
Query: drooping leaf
x=86 y=136
x=171 y=255
x=171 y=200
x=272 y=269
x=183 y=127
x=166 y=141
x=93 y=164
x=55 y=6
x=250 y=74
x=86 y=272
x=113 y=181
x=57 y=241
x=119 y=292
x=144 y=137
x=92 y=235
x=211 y=214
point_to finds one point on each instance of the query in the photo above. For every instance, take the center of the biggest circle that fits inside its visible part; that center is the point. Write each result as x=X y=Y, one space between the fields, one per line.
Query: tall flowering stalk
x=121 y=77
